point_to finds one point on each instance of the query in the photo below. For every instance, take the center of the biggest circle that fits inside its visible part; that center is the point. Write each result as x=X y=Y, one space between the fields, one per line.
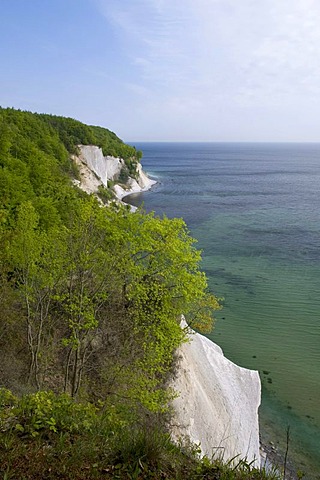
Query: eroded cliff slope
x=218 y=402
x=96 y=169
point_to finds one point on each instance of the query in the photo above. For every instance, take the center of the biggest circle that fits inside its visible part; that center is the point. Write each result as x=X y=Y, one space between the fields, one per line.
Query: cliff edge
x=96 y=169
x=218 y=402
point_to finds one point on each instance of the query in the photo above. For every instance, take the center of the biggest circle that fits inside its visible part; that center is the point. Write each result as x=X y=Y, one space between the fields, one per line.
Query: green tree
x=87 y=269
x=161 y=280
x=36 y=257
x=95 y=294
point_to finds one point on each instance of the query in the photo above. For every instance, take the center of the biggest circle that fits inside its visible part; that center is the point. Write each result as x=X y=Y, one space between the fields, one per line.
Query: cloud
x=157 y=36
x=201 y=55
x=219 y=43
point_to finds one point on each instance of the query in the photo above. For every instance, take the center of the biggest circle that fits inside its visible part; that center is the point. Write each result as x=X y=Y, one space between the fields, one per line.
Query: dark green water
x=255 y=210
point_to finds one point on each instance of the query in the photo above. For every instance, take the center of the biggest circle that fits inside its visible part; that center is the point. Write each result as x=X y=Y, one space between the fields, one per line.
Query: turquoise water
x=255 y=210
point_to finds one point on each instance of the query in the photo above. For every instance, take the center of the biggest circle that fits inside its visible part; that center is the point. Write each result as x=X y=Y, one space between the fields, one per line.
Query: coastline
x=236 y=270
x=143 y=184
x=134 y=187
x=252 y=378
x=271 y=458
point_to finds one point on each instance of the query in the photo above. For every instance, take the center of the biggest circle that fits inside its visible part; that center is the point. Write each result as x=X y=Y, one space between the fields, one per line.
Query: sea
x=254 y=209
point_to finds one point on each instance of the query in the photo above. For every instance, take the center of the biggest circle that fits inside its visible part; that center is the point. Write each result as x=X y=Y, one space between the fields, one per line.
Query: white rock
x=96 y=169
x=134 y=186
x=89 y=182
x=144 y=181
x=218 y=403
x=114 y=166
x=92 y=156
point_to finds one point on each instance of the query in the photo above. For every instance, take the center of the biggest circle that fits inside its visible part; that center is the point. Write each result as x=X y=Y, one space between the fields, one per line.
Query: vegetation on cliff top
x=91 y=299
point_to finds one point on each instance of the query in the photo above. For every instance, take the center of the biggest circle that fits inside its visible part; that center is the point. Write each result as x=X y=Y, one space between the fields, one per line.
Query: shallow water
x=255 y=210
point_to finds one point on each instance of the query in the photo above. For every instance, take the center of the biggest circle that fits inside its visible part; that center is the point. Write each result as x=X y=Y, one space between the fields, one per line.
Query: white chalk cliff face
x=96 y=169
x=218 y=402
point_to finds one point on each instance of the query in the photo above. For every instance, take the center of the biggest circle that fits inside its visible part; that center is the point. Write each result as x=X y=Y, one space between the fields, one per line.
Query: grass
x=38 y=460
x=48 y=436
x=130 y=455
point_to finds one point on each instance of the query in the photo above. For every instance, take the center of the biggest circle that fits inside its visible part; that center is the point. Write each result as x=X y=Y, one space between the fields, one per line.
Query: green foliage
x=34 y=167
x=78 y=278
x=105 y=194
x=112 y=145
x=44 y=412
x=7 y=400
x=44 y=435
x=71 y=132
x=91 y=303
x=124 y=175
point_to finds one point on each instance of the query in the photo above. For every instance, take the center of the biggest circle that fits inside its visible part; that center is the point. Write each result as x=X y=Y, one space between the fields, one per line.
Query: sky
x=167 y=70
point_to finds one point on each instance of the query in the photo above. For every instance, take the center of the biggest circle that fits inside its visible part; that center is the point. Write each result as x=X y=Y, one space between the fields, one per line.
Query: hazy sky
x=184 y=70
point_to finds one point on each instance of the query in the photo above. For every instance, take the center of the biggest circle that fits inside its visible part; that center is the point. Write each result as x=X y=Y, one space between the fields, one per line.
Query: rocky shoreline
x=273 y=459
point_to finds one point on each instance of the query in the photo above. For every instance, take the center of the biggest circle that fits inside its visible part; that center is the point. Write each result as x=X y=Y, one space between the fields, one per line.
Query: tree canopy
x=91 y=297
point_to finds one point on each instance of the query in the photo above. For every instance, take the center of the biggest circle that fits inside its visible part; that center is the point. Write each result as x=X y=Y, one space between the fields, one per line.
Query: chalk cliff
x=96 y=169
x=218 y=402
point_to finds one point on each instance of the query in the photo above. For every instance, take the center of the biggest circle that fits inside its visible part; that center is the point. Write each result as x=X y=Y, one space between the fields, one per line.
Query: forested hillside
x=35 y=159
x=77 y=278
x=91 y=297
